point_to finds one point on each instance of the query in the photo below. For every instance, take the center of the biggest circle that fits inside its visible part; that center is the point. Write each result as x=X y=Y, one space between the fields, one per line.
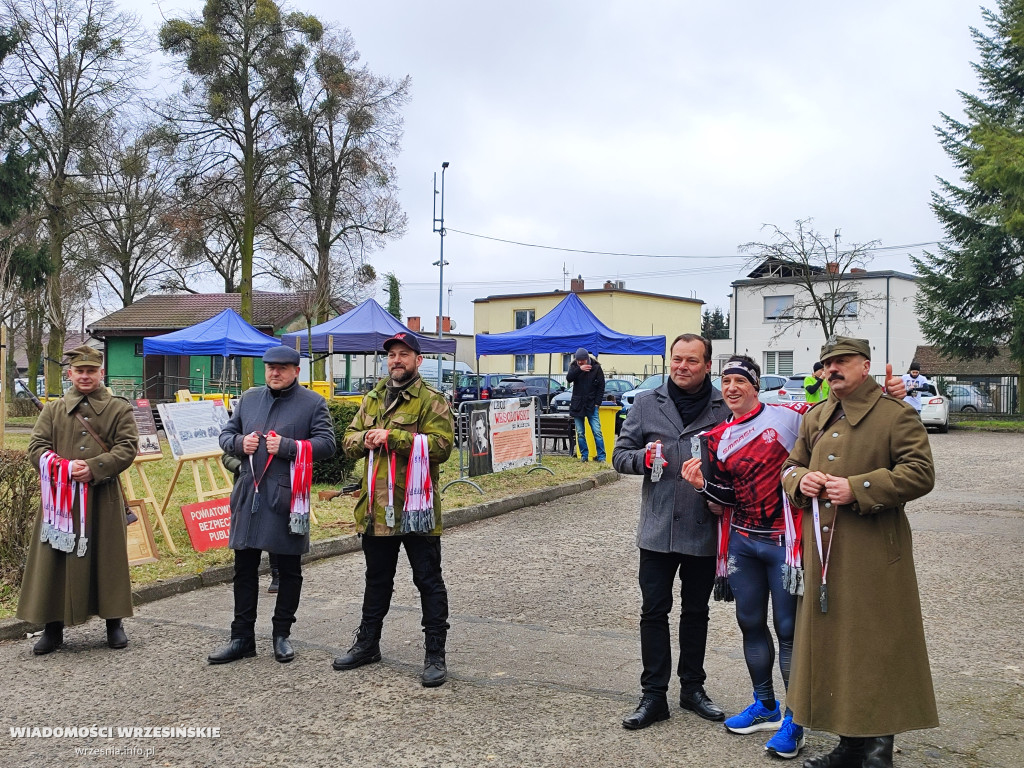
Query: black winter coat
x=587 y=388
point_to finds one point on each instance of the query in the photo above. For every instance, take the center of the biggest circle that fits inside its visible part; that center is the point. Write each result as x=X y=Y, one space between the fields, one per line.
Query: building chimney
x=832 y=267
x=609 y=285
x=576 y=284
x=858 y=270
x=445 y=323
x=413 y=323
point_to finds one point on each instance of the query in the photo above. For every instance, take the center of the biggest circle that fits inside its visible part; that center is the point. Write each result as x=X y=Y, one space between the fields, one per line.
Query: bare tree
x=344 y=125
x=821 y=273
x=83 y=57
x=126 y=201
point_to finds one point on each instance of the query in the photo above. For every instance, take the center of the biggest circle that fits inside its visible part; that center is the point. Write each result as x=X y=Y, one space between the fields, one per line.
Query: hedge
x=19 y=501
x=336 y=470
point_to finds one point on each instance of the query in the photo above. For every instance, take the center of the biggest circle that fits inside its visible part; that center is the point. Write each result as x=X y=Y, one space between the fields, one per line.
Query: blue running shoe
x=756 y=717
x=788 y=740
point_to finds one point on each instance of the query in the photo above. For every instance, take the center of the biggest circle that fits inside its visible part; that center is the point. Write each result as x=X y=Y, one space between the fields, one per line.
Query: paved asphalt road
x=543 y=654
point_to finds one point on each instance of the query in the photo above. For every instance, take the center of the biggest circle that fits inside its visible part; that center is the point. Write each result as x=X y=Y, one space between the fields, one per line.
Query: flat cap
x=84 y=355
x=409 y=339
x=844 y=345
x=281 y=355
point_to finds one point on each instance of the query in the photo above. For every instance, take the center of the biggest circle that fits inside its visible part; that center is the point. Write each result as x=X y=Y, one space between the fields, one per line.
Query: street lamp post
x=439 y=228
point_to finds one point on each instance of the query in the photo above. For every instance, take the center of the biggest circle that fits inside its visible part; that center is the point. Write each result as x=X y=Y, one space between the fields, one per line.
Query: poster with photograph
x=192 y=429
x=513 y=437
x=479 y=442
x=149 y=441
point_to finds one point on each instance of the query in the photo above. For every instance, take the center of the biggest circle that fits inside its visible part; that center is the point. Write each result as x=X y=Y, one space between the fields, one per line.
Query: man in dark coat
x=62 y=587
x=860 y=663
x=264 y=432
x=587 y=379
x=677 y=531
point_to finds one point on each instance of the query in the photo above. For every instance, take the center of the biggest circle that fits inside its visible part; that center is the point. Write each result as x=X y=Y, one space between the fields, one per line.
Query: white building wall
x=894 y=334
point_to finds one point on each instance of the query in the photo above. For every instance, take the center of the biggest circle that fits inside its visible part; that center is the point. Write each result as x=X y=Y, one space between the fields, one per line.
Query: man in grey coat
x=264 y=432
x=677 y=532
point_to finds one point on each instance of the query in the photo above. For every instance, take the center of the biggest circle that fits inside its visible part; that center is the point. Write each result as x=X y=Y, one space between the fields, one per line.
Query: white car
x=934 y=409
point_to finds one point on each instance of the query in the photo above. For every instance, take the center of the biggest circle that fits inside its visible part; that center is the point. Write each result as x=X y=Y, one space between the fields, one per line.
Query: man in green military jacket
x=391 y=417
x=860 y=662
x=61 y=588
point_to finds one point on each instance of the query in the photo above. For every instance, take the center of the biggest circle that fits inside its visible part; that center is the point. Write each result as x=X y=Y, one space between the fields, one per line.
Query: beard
x=400 y=375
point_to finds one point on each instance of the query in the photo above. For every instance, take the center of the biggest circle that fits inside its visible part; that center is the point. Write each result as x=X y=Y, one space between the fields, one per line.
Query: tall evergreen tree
x=972 y=289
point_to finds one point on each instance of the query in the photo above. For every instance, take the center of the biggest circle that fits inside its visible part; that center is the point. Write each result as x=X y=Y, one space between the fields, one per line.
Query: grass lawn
x=335 y=516
x=1000 y=423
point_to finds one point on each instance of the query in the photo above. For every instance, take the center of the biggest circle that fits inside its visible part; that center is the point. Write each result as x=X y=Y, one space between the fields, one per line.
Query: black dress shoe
x=283 y=650
x=116 y=636
x=651 y=709
x=698 y=701
x=233 y=651
x=51 y=639
x=878 y=752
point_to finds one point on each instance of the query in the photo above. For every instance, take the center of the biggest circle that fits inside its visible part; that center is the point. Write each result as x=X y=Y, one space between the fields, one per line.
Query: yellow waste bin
x=322 y=388
x=607 y=433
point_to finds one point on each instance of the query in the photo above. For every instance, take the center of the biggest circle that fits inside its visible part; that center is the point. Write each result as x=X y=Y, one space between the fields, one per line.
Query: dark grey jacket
x=673 y=516
x=297 y=414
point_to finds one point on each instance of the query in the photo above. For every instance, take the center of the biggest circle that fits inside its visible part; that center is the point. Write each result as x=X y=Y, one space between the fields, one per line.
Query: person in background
x=815 y=385
x=915 y=383
x=587 y=379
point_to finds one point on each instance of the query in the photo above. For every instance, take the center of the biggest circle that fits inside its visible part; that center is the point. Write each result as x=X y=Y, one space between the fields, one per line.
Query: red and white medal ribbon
x=302 y=483
x=418 y=511
x=793 y=573
x=58 y=490
x=371 y=486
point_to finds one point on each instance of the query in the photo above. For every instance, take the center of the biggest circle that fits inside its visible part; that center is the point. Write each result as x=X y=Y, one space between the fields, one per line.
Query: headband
x=744 y=370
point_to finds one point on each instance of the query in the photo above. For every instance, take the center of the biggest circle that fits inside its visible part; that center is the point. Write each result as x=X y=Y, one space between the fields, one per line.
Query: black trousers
x=247 y=590
x=424 y=553
x=657 y=581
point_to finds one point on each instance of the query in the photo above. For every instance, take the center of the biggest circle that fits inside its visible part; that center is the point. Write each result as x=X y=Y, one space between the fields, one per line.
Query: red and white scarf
x=302 y=483
x=58 y=492
x=418 y=512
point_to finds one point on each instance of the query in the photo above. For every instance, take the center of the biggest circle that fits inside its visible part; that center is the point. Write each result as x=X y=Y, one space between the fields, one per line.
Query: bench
x=558 y=429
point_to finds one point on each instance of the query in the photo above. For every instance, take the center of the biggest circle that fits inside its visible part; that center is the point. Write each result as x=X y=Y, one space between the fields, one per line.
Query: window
x=217 y=368
x=524 y=363
x=524 y=317
x=779 y=363
x=845 y=304
x=778 y=307
x=566 y=362
x=138 y=349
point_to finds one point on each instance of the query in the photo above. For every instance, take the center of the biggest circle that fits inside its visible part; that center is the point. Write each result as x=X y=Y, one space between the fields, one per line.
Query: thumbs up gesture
x=894 y=384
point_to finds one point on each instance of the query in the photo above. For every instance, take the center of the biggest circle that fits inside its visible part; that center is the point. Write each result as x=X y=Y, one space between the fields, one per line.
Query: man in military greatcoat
x=79 y=568
x=860 y=663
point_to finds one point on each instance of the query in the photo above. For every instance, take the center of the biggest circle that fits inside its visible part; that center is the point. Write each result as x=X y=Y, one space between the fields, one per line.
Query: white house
x=877 y=305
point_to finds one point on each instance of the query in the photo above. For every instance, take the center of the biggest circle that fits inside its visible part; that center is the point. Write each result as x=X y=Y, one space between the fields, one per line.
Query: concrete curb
x=12 y=629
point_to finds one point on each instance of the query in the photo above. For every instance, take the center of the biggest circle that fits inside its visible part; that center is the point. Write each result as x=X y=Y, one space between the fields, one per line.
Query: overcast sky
x=670 y=128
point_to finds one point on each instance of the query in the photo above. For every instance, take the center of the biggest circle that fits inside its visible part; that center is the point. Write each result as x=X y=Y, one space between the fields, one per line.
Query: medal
x=695 y=446
x=657 y=463
x=823 y=598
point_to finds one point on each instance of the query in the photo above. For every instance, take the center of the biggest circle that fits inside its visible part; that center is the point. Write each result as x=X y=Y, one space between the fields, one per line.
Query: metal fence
x=976 y=394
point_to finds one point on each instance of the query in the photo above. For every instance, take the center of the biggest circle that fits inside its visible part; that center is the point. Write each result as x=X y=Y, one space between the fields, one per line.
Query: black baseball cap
x=409 y=339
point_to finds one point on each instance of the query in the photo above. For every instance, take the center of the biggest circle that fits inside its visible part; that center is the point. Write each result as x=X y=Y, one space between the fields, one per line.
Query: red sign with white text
x=208 y=523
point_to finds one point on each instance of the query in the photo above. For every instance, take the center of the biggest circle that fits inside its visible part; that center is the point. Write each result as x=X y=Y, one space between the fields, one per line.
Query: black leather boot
x=275 y=580
x=365 y=649
x=849 y=754
x=51 y=639
x=878 y=752
x=238 y=648
x=435 y=671
x=116 y=636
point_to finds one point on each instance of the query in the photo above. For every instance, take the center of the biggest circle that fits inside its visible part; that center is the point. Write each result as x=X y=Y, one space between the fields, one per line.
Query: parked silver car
x=967 y=398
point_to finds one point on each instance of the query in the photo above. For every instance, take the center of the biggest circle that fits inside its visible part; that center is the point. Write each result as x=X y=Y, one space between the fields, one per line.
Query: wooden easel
x=150 y=497
x=209 y=460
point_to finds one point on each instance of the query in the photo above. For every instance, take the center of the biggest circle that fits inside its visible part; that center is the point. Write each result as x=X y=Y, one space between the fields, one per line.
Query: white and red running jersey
x=743 y=465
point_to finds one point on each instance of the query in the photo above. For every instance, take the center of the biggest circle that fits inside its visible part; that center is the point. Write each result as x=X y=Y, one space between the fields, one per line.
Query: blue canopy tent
x=225 y=334
x=567 y=327
x=362 y=331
